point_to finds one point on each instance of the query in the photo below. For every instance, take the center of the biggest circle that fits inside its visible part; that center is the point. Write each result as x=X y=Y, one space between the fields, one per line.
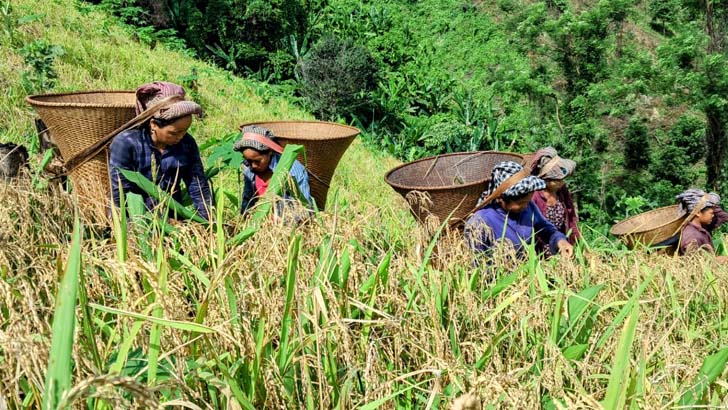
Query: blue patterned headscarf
x=505 y=170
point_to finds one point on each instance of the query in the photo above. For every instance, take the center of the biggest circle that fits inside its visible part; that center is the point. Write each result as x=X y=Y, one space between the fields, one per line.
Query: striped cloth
x=260 y=144
x=690 y=198
x=548 y=165
x=150 y=93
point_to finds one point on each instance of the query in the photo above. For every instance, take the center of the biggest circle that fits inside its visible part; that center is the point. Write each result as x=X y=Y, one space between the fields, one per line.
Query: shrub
x=688 y=133
x=636 y=146
x=449 y=136
x=336 y=77
x=40 y=56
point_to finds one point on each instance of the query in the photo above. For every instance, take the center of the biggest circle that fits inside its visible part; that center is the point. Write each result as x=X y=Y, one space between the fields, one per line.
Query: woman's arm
x=121 y=156
x=249 y=199
x=720 y=217
x=194 y=177
x=572 y=218
x=478 y=234
x=545 y=230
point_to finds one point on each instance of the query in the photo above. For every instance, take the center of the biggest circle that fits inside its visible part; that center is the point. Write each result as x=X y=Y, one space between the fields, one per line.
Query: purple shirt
x=694 y=238
x=492 y=224
x=699 y=237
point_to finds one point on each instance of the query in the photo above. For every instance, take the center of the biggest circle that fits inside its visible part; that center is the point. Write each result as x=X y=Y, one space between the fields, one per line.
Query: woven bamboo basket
x=325 y=144
x=650 y=227
x=446 y=183
x=75 y=122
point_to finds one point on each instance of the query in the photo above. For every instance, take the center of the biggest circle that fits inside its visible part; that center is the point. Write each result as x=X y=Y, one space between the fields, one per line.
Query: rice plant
x=358 y=307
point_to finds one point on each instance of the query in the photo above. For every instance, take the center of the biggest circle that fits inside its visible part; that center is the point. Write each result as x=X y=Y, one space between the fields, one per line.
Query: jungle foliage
x=634 y=91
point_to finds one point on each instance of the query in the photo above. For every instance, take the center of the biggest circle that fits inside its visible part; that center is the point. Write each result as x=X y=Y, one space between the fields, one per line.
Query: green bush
x=636 y=146
x=239 y=35
x=336 y=77
x=688 y=134
x=40 y=55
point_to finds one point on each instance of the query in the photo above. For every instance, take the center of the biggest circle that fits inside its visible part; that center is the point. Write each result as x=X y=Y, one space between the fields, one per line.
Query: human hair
x=516 y=197
x=259 y=151
x=161 y=122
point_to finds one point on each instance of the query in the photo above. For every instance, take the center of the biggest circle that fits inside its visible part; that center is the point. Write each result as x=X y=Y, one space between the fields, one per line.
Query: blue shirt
x=133 y=150
x=298 y=173
x=492 y=224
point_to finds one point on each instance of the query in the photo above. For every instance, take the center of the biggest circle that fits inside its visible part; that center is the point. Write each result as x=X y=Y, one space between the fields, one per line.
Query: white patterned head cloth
x=150 y=93
x=548 y=165
x=689 y=199
x=503 y=171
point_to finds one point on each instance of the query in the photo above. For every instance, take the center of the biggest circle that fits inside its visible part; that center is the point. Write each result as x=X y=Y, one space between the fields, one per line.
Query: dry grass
x=402 y=331
x=435 y=327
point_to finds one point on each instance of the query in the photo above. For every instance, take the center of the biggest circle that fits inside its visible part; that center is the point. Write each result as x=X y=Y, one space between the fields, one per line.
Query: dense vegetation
x=359 y=309
x=633 y=90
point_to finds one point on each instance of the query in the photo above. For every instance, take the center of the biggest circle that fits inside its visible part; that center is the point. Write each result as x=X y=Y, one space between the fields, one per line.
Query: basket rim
x=621 y=223
x=33 y=99
x=354 y=131
x=445 y=187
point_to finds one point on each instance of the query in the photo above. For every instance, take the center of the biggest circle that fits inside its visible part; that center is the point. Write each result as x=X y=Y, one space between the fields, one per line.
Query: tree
x=698 y=54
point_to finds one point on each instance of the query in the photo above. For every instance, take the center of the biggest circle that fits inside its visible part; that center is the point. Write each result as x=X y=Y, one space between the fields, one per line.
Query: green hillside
x=360 y=307
x=623 y=87
x=98 y=55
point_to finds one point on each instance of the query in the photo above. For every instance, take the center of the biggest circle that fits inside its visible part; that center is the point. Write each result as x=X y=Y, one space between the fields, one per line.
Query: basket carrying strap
x=90 y=152
x=503 y=187
x=549 y=166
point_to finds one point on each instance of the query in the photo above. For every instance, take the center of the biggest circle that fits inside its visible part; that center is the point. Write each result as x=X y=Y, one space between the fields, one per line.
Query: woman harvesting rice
x=161 y=149
x=261 y=155
x=705 y=216
x=555 y=201
x=508 y=215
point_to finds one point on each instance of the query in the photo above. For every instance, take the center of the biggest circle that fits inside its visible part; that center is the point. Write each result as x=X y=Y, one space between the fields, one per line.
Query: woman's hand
x=565 y=248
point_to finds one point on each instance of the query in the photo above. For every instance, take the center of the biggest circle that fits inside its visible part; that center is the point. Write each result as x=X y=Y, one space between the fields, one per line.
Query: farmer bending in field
x=507 y=215
x=555 y=201
x=705 y=216
x=261 y=154
x=161 y=149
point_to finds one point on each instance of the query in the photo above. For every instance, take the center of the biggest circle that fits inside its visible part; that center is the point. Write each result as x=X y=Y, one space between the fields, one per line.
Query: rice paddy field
x=360 y=307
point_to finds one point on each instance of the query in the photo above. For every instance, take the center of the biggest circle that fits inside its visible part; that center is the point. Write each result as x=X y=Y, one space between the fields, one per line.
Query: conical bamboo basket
x=78 y=120
x=325 y=144
x=444 y=184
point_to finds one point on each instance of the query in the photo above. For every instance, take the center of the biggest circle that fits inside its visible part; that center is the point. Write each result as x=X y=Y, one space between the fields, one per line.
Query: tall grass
x=325 y=316
x=357 y=308
x=58 y=375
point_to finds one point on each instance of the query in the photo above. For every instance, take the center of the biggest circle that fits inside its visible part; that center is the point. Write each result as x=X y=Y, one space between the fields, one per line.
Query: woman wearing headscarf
x=555 y=201
x=161 y=149
x=261 y=154
x=705 y=216
x=507 y=214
